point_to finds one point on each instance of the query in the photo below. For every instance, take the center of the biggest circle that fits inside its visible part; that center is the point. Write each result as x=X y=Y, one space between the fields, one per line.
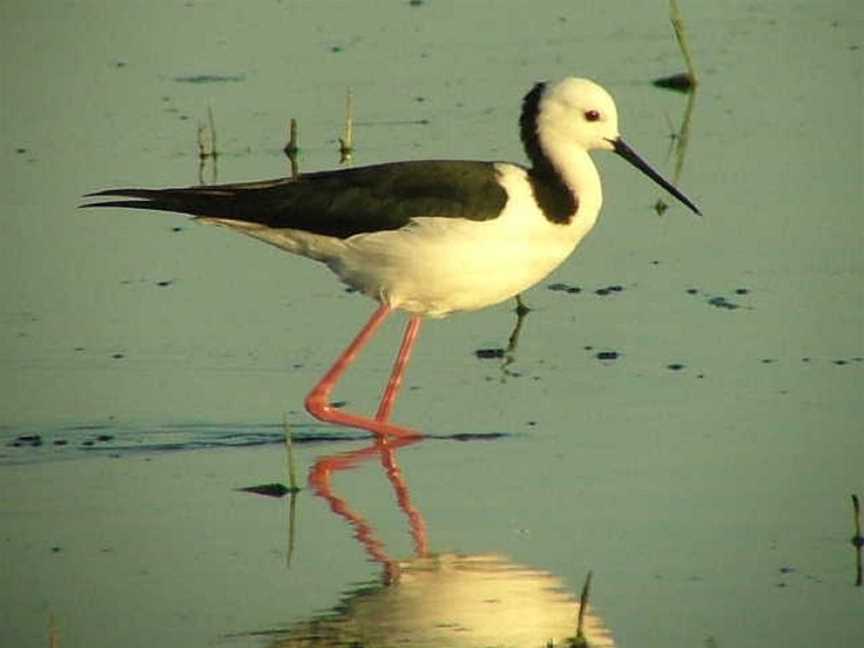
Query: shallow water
x=685 y=425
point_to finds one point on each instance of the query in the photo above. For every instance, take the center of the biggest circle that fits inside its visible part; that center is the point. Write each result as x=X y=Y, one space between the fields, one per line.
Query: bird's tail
x=228 y=201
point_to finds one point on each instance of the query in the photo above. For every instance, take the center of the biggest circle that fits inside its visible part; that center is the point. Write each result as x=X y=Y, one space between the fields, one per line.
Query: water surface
x=691 y=436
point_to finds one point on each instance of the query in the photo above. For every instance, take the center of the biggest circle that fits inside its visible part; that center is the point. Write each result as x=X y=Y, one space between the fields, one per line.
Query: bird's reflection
x=437 y=600
x=319 y=480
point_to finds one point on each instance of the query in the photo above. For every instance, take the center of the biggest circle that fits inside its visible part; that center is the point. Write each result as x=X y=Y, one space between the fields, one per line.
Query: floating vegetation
x=207 y=149
x=580 y=640
x=292 y=464
x=683 y=81
x=292 y=147
x=857 y=539
x=346 y=142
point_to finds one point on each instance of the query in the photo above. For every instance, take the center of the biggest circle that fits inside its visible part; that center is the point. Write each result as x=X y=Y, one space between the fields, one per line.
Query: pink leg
x=388 y=400
x=318 y=400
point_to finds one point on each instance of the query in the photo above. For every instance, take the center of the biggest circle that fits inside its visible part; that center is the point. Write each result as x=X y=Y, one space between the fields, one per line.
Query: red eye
x=592 y=115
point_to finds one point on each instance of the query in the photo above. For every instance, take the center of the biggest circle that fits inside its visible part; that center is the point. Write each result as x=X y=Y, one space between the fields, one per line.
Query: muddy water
x=681 y=415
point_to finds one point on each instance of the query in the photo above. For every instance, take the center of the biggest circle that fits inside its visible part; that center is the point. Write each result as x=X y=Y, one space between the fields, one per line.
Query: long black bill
x=631 y=156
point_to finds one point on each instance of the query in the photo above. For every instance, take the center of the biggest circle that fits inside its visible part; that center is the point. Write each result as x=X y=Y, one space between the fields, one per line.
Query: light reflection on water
x=444 y=600
x=451 y=600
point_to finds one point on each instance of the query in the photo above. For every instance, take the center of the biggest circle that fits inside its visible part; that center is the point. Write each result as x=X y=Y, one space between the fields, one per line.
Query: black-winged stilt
x=429 y=237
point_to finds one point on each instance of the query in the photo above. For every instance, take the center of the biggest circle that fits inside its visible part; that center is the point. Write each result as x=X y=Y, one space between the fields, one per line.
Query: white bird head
x=580 y=112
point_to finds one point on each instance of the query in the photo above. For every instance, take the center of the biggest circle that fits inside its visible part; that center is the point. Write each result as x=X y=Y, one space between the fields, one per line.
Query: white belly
x=442 y=265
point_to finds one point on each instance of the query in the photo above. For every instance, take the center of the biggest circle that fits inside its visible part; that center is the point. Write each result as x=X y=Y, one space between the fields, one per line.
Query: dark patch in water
x=19 y=446
x=722 y=302
x=608 y=290
x=27 y=440
x=489 y=354
x=210 y=78
x=269 y=490
x=562 y=287
x=675 y=366
x=607 y=355
x=469 y=436
x=574 y=290
x=680 y=82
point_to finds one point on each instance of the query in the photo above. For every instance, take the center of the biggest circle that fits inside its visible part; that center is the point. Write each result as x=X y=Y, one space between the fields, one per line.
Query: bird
x=428 y=237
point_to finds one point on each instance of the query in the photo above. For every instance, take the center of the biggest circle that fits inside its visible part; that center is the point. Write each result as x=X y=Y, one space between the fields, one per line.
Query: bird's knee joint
x=317 y=405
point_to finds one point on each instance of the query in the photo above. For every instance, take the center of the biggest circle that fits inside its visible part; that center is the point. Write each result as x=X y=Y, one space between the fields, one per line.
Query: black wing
x=338 y=203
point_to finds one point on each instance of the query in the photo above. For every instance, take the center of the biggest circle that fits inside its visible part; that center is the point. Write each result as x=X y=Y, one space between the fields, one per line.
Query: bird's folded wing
x=338 y=203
